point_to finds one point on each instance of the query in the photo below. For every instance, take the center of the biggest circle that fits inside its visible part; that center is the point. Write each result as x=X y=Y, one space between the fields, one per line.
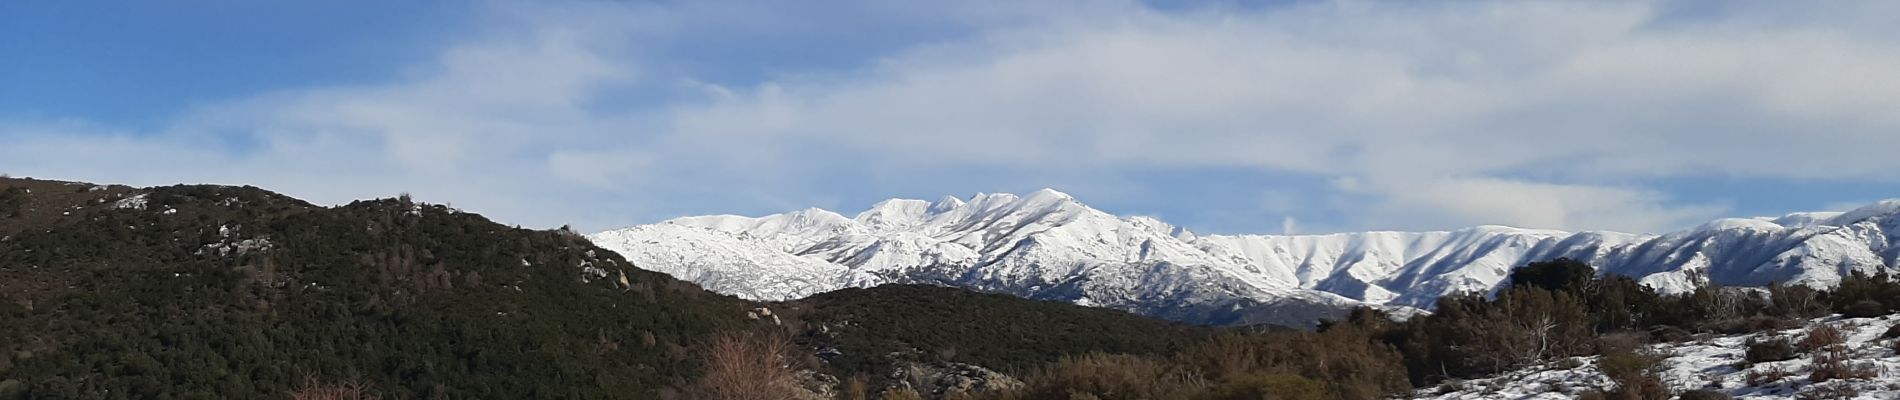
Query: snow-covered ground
x=1714 y=363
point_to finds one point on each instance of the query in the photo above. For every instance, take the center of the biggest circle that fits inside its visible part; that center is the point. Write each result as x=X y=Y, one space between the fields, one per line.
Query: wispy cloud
x=1542 y=114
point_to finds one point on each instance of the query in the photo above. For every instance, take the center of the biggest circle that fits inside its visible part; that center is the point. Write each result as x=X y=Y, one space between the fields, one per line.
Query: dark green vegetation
x=1561 y=309
x=1550 y=311
x=1006 y=333
x=11 y=199
x=235 y=292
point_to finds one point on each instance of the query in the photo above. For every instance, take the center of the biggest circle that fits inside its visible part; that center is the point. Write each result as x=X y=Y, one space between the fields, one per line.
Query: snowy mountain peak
x=1047 y=194
x=1884 y=209
x=1048 y=245
x=1804 y=219
x=1727 y=224
x=896 y=214
x=987 y=201
x=1510 y=230
x=945 y=204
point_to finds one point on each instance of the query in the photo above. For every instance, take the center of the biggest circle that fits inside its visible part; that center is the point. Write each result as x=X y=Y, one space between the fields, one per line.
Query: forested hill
x=237 y=292
x=871 y=327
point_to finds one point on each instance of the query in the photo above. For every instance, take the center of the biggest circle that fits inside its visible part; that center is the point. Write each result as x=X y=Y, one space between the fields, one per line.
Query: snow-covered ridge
x=1048 y=245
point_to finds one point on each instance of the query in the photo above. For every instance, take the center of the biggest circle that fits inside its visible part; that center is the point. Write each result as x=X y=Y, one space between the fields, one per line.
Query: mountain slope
x=236 y=292
x=1047 y=245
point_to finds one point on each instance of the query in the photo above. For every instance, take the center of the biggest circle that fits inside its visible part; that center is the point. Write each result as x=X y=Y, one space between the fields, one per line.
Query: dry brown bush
x=1111 y=377
x=351 y=389
x=901 y=394
x=1633 y=368
x=745 y=366
x=1832 y=363
x=856 y=388
x=1836 y=392
x=1820 y=338
x=1766 y=376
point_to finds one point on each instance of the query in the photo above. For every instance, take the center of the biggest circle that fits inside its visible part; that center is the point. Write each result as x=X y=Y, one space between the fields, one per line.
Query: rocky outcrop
x=944 y=379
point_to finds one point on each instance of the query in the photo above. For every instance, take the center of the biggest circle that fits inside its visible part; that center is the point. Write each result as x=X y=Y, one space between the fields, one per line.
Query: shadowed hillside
x=1003 y=332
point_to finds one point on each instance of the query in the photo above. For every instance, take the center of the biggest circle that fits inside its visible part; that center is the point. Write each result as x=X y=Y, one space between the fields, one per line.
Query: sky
x=1222 y=117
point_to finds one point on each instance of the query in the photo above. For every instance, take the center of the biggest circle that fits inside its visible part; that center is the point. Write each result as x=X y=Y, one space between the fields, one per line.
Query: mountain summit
x=1048 y=245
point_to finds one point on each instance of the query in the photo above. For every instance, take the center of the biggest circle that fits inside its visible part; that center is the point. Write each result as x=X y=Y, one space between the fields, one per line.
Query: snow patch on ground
x=1714 y=363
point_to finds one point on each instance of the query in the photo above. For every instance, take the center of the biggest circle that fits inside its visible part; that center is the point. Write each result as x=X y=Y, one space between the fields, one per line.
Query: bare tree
x=351 y=389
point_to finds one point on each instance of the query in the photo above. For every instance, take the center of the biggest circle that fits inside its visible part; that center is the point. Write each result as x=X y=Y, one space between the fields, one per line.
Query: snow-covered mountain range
x=1047 y=245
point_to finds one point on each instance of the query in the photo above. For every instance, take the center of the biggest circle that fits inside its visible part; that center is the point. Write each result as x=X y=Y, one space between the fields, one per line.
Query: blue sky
x=1220 y=116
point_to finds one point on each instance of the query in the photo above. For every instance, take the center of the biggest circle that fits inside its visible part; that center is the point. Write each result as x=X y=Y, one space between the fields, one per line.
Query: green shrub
x=1860 y=295
x=1750 y=324
x=1555 y=275
x=1769 y=350
x=11 y=199
x=1864 y=309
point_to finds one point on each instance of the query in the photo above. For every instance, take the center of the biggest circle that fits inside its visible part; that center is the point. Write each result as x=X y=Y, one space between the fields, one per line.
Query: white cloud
x=1450 y=202
x=485 y=126
x=1421 y=116
x=1472 y=96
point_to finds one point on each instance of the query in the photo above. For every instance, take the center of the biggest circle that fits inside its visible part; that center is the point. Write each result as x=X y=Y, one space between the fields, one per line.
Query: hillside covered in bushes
x=860 y=329
x=1554 y=315
x=201 y=291
x=1557 y=319
x=236 y=292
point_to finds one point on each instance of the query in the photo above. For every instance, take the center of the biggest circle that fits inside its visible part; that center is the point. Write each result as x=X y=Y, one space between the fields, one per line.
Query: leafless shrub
x=901 y=394
x=1835 y=392
x=1766 y=376
x=350 y=389
x=1832 y=363
x=1820 y=338
x=745 y=366
x=1110 y=377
